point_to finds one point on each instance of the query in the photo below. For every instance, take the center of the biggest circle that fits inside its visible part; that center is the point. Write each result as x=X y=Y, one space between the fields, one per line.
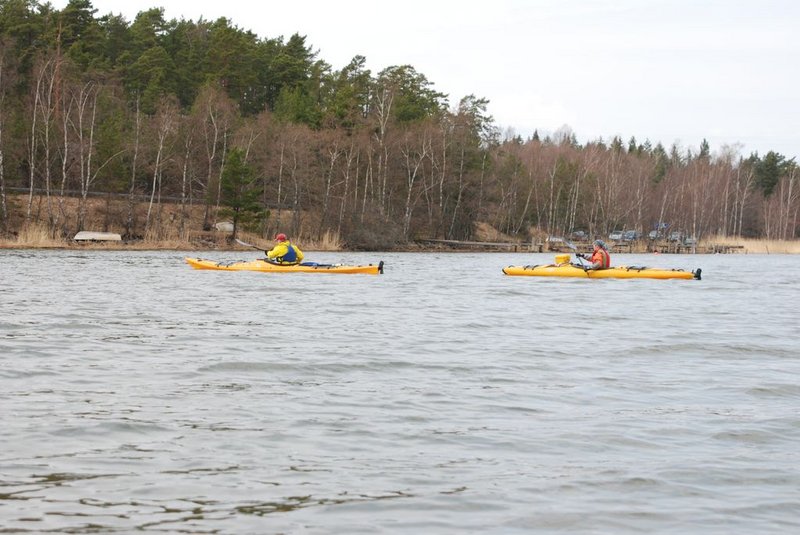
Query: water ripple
x=139 y=395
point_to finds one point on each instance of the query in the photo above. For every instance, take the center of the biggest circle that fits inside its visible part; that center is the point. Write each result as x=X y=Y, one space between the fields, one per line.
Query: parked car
x=655 y=235
x=690 y=242
x=579 y=235
x=631 y=235
x=616 y=235
x=676 y=236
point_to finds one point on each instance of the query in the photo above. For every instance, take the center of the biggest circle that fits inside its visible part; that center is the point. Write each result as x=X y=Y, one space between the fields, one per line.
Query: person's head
x=599 y=244
x=281 y=237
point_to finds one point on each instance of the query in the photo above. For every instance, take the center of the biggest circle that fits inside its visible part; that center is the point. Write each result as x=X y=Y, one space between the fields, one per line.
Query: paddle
x=577 y=255
x=240 y=242
x=575 y=250
x=257 y=248
x=580 y=261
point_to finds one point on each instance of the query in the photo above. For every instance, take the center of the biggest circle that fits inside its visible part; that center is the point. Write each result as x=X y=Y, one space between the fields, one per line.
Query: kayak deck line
x=263 y=266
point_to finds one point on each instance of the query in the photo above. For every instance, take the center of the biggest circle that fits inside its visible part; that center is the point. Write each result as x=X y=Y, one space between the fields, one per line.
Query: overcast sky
x=664 y=70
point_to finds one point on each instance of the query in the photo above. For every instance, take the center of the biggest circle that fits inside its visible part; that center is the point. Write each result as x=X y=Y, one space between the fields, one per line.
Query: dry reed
x=330 y=241
x=757 y=246
x=35 y=235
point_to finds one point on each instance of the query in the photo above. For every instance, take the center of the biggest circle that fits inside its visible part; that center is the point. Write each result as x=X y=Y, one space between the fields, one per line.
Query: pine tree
x=240 y=197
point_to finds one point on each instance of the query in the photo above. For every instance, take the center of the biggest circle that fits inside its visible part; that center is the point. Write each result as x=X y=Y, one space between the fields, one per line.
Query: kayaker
x=284 y=252
x=600 y=258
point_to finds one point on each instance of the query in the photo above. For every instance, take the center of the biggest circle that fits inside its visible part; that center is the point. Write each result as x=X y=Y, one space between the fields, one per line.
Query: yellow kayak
x=562 y=268
x=266 y=267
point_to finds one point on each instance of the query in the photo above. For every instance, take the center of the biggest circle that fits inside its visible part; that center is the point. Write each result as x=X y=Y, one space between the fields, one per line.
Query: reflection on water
x=137 y=394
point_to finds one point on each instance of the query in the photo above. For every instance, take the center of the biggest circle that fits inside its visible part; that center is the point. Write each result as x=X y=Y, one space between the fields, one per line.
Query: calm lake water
x=139 y=395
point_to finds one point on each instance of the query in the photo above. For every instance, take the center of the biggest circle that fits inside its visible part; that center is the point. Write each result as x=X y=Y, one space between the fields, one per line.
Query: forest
x=209 y=118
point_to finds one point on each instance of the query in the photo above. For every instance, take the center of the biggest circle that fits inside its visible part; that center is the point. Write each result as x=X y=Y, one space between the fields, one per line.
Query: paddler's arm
x=277 y=251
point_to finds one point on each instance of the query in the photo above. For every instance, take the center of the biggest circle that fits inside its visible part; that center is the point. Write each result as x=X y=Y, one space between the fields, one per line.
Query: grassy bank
x=38 y=236
x=107 y=214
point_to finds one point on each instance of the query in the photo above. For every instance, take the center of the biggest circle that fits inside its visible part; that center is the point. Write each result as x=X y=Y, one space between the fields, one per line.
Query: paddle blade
x=240 y=242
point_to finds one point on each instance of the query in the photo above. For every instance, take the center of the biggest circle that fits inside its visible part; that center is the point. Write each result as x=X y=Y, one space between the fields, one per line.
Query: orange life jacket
x=602 y=256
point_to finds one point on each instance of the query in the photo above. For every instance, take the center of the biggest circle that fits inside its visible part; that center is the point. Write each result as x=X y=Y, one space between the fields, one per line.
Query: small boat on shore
x=563 y=268
x=267 y=267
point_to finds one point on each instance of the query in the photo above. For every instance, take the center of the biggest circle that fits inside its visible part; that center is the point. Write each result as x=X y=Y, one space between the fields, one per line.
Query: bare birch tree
x=351 y=158
x=788 y=196
x=40 y=76
x=47 y=107
x=414 y=152
x=333 y=152
x=4 y=216
x=130 y=220
x=744 y=184
x=216 y=112
x=383 y=108
x=165 y=120
x=66 y=103
x=83 y=125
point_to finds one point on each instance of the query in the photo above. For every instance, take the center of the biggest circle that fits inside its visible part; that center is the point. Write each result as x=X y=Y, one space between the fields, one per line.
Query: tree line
x=206 y=114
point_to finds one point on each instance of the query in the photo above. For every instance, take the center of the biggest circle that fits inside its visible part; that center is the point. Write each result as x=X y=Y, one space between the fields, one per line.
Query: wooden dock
x=725 y=249
x=679 y=248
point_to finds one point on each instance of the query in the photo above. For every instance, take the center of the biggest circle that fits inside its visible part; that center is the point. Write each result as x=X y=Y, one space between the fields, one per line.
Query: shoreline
x=738 y=247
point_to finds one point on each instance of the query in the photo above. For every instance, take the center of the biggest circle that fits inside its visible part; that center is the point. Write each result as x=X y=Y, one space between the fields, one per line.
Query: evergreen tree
x=27 y=27
x=239 y=194
x=675 y=155
x=116 y=39
x=349 y=95
x=152 y=76
x=81 y=35
x=231 y=59
x=188 y=45
x=662 y=163
x=289 y=68
x=769 y=170
x=414 y=97
x=705 y=150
